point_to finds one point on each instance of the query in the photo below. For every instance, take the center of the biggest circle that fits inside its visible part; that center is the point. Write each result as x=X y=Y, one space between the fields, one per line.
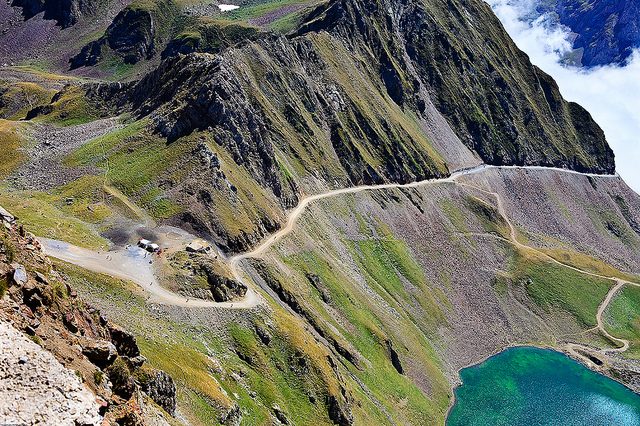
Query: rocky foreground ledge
x=36 y=388
x=62 y=362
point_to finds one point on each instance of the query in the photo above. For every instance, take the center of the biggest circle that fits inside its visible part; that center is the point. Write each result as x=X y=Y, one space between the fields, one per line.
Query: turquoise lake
x=536 y=387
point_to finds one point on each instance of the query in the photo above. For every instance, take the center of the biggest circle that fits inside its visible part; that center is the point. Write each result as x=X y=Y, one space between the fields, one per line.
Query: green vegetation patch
x=133 y=159
x=11 y=157
x=388 y=263
x=215 y=35
x=366 y=324
x=455 y=215
x=489 y=217
x=19 y=98
x=622 y=316
x=48 y=215
x=251 y=9
x=67 y=108
x=589 y=264
x=554 y=286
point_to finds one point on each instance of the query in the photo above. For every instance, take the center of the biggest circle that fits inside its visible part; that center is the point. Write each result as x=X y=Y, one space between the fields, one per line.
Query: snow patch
x=227 y=7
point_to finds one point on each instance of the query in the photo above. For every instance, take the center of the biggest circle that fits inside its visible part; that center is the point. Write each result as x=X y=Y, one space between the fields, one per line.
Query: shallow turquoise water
x=539 y=387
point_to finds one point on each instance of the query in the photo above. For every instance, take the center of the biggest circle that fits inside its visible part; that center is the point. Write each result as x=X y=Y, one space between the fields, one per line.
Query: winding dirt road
x=128 y=264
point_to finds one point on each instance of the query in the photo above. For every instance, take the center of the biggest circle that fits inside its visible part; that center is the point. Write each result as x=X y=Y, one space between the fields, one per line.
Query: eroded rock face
x=493 y=113
x=161 y=388
x=223 y=288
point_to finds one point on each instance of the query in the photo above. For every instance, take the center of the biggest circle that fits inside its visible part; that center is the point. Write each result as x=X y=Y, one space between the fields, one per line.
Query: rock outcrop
x=65 y=12
x=130 y=36
x=160 y=387
x=200 y=276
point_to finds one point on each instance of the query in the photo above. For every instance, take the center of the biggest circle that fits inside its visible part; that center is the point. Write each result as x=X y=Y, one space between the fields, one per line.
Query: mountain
x=391 y=192
x=606 y=32
x=601 y=33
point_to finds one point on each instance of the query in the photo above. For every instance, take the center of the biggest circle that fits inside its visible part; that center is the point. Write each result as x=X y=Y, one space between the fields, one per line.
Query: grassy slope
x=157 y=167
x=215 y=363
x=622 y=317
x=20 y=98
x=49 y=215
x=552 y=286
x=403 y=307
x=10 y=143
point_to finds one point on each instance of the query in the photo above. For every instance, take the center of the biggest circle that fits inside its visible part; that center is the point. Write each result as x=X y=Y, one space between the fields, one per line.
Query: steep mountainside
x=374 y=178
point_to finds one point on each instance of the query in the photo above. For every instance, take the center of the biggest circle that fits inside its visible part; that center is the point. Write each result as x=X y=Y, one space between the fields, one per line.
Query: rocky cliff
x=130 y=36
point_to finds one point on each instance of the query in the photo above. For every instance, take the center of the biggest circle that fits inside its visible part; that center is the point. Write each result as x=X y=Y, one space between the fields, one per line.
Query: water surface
x=531 y=386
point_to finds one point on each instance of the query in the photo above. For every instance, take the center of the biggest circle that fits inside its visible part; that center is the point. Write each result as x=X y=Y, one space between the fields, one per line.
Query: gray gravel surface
x=36 y=389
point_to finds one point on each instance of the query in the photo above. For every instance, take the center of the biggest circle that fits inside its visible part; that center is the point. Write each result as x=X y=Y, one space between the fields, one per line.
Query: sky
x=610 y=93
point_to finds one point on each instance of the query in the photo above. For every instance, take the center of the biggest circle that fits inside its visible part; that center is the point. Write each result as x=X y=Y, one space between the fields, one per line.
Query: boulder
x=195 y=247
x=70 y=321
x=280 y=414
x=161 y=388
x=136 y=361
x=32 y=294
x=19 y=274
x=100 y=352
x=124 y=341
x=7 y=218
x=41 y=278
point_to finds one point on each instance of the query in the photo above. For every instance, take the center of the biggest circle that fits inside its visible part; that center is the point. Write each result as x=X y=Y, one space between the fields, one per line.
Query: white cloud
x=610 y=93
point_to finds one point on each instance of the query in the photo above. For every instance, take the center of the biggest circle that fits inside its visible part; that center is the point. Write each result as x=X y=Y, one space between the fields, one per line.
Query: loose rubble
x=37 y=389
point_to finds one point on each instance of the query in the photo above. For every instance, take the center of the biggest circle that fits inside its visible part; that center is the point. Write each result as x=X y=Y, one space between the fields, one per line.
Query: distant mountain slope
x=607 y=31
x=604 y=32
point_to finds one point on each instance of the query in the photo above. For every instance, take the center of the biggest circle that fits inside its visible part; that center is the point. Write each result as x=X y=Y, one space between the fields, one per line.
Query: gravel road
x=133 y=264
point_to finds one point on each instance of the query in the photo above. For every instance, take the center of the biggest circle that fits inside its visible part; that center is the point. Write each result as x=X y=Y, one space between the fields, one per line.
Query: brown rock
x=41 y=278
